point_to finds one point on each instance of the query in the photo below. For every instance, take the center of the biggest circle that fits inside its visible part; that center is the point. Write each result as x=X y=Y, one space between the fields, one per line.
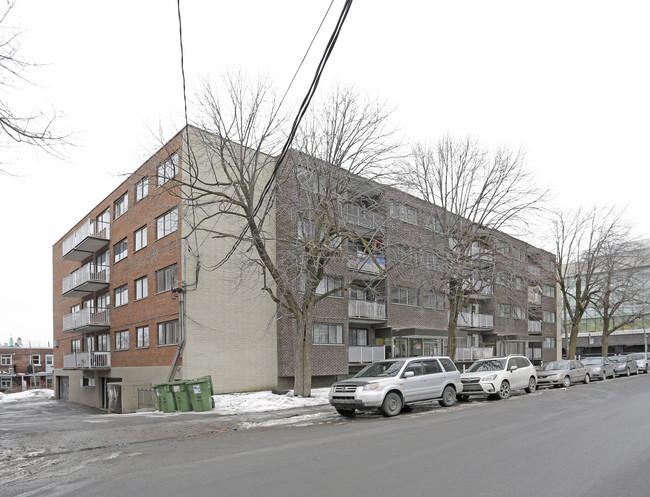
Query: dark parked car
x=624 y=365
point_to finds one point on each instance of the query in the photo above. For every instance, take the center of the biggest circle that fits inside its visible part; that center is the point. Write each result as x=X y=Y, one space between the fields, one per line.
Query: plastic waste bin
x=165 y=396
x=181 y=393
x=200 y=392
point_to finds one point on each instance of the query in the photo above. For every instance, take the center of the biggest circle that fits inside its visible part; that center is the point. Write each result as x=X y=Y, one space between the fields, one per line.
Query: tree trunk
x=606 y=333
x=302 y=358
x=573 y=341
x=454 y=308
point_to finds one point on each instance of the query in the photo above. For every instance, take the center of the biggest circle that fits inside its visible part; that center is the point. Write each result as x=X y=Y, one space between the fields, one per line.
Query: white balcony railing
x=534 y=326
x=87 y=360
x=86 y=274
x=473 y=353
x=91 y=228
x=88 y=317
x=367 y=264
x=364 y=355
x=473 y=320
x=366 y=310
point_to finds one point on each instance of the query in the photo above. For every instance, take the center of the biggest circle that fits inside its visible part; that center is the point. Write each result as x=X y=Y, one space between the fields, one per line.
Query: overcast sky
x=567 y=82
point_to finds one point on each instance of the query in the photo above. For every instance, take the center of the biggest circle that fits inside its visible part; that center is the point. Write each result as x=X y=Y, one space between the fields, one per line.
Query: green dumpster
x=200 y=391
x=165 y=396
x=181 y=393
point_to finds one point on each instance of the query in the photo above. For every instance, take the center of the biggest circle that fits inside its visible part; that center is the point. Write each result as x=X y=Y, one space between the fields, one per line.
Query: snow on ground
x=266 y=401
x=35 y=394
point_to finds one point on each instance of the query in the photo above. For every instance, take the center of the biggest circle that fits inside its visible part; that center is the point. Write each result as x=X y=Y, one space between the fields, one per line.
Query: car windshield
x=384 y=368
x=552 y=366
x=618 y=359
x=591 y=361
x=488 y=365
x=637 y=357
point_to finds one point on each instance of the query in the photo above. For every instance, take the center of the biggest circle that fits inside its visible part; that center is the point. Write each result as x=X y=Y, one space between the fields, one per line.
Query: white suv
x=498 y=376
x=390 y=384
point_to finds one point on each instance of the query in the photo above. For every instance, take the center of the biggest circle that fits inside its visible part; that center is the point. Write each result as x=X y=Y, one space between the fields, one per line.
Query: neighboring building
x=24 y=368
x=137 y=299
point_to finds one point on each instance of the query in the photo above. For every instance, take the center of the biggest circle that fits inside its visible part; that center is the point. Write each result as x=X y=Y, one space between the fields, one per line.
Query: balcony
x=362 y=309
x=365 y=218
x=535 y=327
x=87 y=320
x=87 y=360
x=367 y=264
x=85 y=280
x=365 y=355
x=91 y=237
x=473 y=320
x=466 y=354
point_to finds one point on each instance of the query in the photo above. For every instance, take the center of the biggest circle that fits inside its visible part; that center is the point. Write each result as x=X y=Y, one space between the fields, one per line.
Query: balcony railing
x=473 y=353
x=91 y=237
x=366 y=310
x=473 y=320
x=365 y=355
x=365 y=218
x=366 y=264
x=534 y=354
x=534 y=326
x=85 y=280
x=87 y=360
x=88 y=319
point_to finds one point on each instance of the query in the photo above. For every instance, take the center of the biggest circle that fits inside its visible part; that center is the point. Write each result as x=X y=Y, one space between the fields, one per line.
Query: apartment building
x=141 y=295
x=23 y=368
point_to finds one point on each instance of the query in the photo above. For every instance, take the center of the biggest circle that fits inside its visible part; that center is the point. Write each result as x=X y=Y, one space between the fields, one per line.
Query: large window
x=327 y=284
x=168 y=169
x=328 y=333
x=35 y=359
x=75 y=346
x=548 y=291
x=121 y=205
x=142 y=337
x=120 y=250
x=5 y=382
x=5 y=360
x=433 y=300
x=168 y=333
x=103 y=301
x=141 y=288
x=401 y=295
x=122 y=340
x=167 y=223
x=166 y=279
x=505 y=311
x=358 y=336
x=141 y=189
x=403 y=213
x=121 y=295
x=104 y=343
x=548 y=317
x=140 y=237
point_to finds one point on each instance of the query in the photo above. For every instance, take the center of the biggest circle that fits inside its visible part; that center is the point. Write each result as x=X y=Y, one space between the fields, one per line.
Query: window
x=548 y=291
x=403 y=213
x=519 y=283
x=166 y=279
x=505 y=311
x=401 y=295
x=549 y=343
x=140 y=237
x=168 y=333
x=141 y=288
x=88 y=381
x=167 y=223
x=121 y=205
x=142 y=337
x=5 y=360
x=428 y=259
x=548 y=317
x=358 y=336
x=431 y=366
x=104 y=343
x=327 y=284
x=103 y=301
x=433 y=300
x=75 y=346
x=75 y=308
x=121 y=295
x=35 y=359
x=518 y=312
x=49 y=360
x=328 y=333
x=141 y=189
x=403 y=254
x=168 y=169
x=120 y=250
x=316 y=183
x=447 y=364
x=122 y=340
x=5 y=382
x=432 y=223
x=103 y=223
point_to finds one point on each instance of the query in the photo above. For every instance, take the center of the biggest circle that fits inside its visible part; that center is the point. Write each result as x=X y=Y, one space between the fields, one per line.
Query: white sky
x=567 y=82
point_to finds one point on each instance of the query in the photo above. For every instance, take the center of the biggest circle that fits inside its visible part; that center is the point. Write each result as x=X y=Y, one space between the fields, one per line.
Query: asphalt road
x=586 y=440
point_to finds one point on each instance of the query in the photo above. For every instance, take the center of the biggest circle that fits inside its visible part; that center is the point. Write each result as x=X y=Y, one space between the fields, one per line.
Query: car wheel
x=448 y=397
x=532 y=385
x=348 y=413
x=587 y=379
x=566 y=383
x=504 y=390
x=462 y=397
x=392 y=405
x=628 y=371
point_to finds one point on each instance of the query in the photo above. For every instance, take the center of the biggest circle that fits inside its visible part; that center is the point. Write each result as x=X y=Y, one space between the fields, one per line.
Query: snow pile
x=266 y=401
x=36 y=394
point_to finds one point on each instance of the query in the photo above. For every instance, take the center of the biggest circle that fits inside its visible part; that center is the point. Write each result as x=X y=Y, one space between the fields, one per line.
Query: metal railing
x=365 y=309
x=366 y=264
x=366 y=354
x=473 y=353
x=86 y=317
x=86 y=274
x=87 y=360
x=534 y=326
x=534 y=354
x=473 y=320
x=365 y=218
x=91 y=227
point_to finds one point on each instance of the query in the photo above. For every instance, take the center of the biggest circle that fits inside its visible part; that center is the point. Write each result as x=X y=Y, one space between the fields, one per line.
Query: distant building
x=23 y=368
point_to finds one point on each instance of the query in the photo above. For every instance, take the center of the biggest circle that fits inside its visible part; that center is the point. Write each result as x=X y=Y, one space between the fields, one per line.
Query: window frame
x=121 y=206
x=142 y=336
x=334 y=334
x=169 y=273
x=141 y=189
x=400 y=290
x=140 y=235
x=140 y=288
x=123 y=296
x=167 y=223
x=120 y=340
x=164 y=332
x=123 y=253
x=170 y=164
x=38 y=359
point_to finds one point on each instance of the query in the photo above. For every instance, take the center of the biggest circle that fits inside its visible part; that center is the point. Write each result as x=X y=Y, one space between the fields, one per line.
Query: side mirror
x=513 y=368
x=409 y=374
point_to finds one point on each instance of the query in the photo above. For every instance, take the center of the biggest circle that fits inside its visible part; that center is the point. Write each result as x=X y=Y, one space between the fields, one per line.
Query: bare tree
x=472 y=194
x=237 y=191
x=581 y=238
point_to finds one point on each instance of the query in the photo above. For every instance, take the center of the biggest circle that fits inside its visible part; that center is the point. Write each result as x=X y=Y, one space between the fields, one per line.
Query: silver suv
x=498 y=376
x=390 y=384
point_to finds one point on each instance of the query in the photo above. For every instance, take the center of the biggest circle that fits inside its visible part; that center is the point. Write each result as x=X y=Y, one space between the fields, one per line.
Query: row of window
x=168 y=334
x=34 y=359
x=517 y=312
x=165 y=225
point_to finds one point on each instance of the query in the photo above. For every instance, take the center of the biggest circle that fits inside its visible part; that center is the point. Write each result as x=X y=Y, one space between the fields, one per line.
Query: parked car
x=599 y=367
x=642 y=360
x=498 y=376
x=563 y=373
x=624 y=364
x=391 y=384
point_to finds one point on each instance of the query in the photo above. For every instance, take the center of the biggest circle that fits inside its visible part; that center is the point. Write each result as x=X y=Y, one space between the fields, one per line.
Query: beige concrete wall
x=229 y=324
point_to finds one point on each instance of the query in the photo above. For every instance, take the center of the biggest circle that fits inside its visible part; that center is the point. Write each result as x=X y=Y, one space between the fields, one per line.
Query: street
x=584 y=440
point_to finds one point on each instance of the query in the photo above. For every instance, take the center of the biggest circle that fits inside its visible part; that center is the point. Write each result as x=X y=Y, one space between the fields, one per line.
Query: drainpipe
x=180 y=294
